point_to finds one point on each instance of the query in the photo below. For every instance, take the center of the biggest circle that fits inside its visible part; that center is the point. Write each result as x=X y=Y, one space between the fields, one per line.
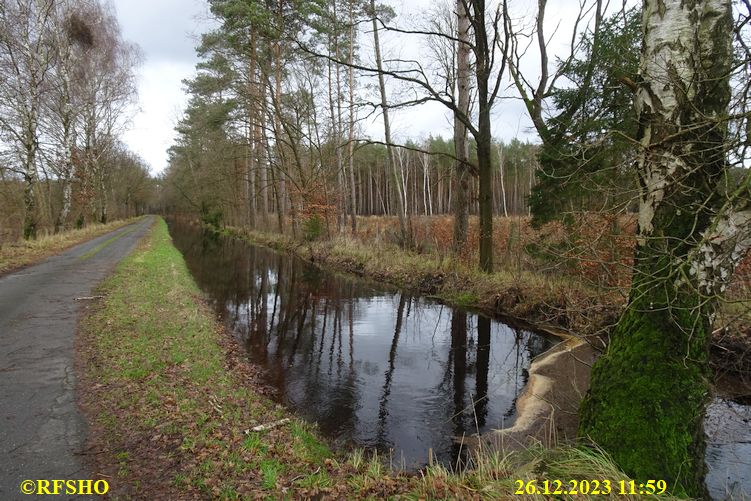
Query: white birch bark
x=674 y=45
x=682 y=43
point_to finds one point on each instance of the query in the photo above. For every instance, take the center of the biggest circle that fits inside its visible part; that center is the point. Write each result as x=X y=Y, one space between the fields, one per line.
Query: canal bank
x=173 y=403
x=374 y=366
x=546 y=410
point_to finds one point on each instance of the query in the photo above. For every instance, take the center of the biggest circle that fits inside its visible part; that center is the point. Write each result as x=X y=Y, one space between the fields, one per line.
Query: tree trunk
x=461 y=174
x=252 y=103
x=351 y=142
x=67 y=189
x=485 y=199
x=276 y=98
x=103 y=216
x=261 y=163
x=405 y=233
x=29 y=198
x=503 y=186
x=338 y=128
x=483 y=137
x=68 y=143
x=649 y=392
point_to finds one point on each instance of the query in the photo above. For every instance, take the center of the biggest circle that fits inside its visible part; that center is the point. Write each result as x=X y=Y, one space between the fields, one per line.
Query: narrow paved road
x=41 y=429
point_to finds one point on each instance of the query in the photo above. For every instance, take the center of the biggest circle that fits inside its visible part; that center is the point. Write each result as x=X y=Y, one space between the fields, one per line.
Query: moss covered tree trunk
x=649 y=391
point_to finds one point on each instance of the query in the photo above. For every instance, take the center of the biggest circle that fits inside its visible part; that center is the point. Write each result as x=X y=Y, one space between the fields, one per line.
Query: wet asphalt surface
x=42 y=432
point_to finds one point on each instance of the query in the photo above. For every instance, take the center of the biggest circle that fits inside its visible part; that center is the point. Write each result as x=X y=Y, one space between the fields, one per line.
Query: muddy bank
x=547 y=411
x=547 y=415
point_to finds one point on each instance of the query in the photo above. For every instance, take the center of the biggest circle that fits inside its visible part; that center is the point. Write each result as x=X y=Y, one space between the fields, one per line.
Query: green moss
x=464 y=299
x=647 y=401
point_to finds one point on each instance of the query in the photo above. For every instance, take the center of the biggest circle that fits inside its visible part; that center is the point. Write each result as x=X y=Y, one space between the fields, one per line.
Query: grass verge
x=171 y=404
x=24 y=253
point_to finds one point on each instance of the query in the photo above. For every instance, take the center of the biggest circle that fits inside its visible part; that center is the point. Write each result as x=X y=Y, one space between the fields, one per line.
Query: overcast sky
x=167 y=31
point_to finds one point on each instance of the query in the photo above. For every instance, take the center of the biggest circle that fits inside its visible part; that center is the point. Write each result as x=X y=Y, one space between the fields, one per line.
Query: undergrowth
x=555 y=301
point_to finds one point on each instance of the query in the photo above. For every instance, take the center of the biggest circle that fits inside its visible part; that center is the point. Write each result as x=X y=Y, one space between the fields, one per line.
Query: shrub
x=213 y=218
x=313 y=228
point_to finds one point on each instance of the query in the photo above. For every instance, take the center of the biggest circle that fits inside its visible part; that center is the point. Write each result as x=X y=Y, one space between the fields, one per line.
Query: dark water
x=728 y=428
x=373 y=366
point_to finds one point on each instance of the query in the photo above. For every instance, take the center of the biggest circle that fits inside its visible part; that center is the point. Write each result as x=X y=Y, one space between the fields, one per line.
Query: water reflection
x=372 y=366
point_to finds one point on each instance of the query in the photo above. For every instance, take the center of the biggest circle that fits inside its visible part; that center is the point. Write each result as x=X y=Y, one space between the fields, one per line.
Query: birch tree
x=649 y=391
x=73 y=40
x=26 y=57
x=107 y=87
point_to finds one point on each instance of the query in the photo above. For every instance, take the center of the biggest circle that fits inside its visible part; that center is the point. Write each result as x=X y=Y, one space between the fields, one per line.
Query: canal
x=372 y=366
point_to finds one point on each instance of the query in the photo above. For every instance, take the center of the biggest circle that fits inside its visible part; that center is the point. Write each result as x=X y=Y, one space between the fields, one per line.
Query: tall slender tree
x=461 y=150
x=404 y=230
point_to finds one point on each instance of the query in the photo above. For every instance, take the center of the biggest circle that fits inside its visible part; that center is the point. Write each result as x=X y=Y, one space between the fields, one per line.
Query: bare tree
x=489 y=46
x=533 y=95
x=404 y=229
x=351 y=128
x=73 y=40
x=108 y=86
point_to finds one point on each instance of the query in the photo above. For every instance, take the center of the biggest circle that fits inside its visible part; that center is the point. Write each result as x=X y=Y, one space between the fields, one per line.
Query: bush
x=212 y=218
x=312 y=228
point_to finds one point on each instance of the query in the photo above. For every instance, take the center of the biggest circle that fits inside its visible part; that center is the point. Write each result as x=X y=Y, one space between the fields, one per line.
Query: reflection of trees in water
x=309 y=335
x=458 y=355
x=481 y=374
x=298 y=322
x=383 y=411
x=537 y=345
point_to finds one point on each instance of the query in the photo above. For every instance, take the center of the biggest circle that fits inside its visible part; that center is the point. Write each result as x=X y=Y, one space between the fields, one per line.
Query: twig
x=270 y=426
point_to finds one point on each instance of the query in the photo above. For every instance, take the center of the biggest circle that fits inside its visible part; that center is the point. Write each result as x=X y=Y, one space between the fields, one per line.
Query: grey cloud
x=165 y=29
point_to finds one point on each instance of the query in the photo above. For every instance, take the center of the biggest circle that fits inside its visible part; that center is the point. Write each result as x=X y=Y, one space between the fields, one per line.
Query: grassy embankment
x=23 y=253
x=172 y=403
